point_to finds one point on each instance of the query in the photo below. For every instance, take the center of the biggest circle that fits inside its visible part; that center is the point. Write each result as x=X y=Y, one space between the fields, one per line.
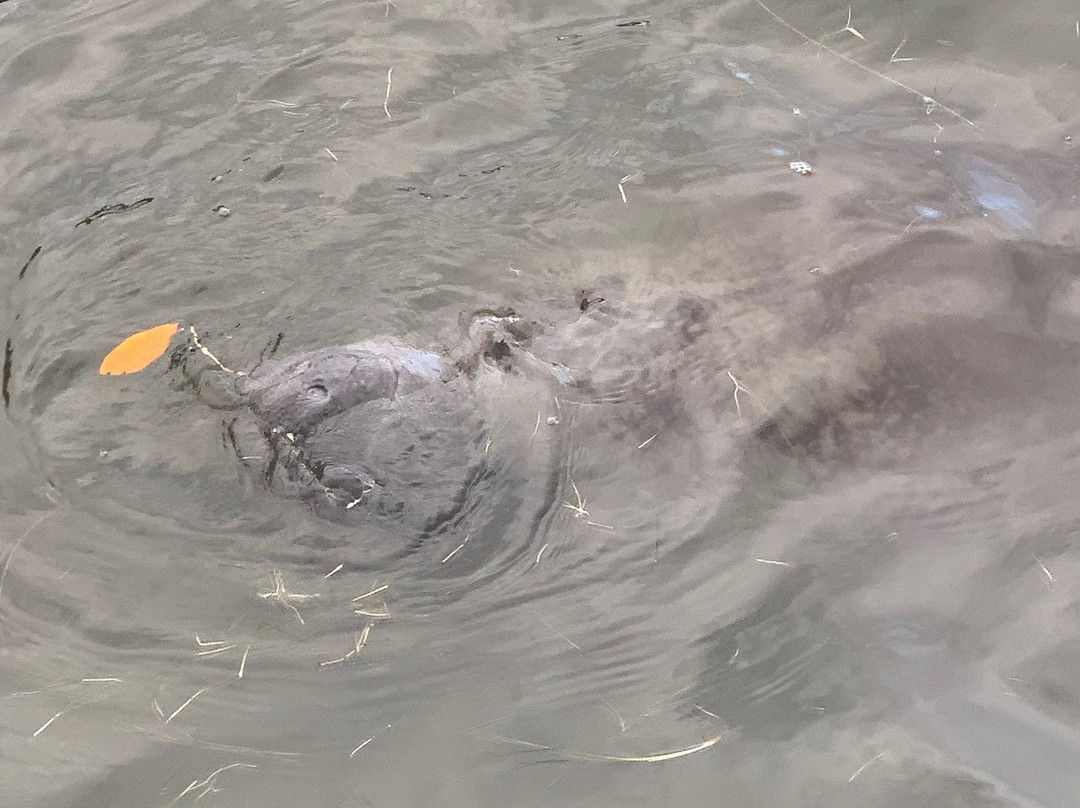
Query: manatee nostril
x=318 y=391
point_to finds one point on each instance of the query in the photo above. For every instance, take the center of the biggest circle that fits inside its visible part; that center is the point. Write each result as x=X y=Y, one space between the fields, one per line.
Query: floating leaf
x=138 y=350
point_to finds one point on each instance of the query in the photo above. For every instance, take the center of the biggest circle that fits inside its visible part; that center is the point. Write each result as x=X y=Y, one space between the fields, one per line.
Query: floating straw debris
x=579 y=509
x=209 y=782
x=454 y=552
x=647 y=441
x=386 y=101
x=375 y=591
x=361 y=641
x=352 y=754
x=206 y=352
x=866 y=765
x=590 y=757
x=213 y=651
x=285 y=597
x=183 y=706
x=930 y=101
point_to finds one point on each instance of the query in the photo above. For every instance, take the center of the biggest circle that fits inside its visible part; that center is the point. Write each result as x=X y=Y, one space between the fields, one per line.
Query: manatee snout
x=296 y=394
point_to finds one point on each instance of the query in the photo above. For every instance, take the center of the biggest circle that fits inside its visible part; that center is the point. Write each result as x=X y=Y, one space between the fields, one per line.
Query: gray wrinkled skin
x=298 y=393
x=380 y=429
x=413 y=457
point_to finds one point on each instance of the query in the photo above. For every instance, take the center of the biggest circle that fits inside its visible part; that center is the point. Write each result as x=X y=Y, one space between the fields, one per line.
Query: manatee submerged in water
x=426 y=441
x=298 y=393
x=380 y=427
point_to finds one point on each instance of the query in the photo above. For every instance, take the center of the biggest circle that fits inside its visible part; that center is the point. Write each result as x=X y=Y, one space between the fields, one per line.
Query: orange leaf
x=138 y=350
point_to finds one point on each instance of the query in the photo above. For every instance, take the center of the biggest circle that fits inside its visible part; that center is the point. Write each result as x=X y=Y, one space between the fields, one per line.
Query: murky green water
x=812 y=491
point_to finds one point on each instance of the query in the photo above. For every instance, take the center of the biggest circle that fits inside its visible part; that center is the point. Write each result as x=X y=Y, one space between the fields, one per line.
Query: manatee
x=384 y=429
x=425 y=441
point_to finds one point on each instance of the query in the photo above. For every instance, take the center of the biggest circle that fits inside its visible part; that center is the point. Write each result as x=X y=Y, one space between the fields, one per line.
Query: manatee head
x=396 y=437
x=297 y=393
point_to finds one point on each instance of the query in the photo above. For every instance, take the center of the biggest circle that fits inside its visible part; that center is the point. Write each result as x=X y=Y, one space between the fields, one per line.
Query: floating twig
x=590 y=757
x=579 y=509
x=847 y=26
x=72 y=706
x=206 y=352
x=209 y=781
x=1046 y=572
x=365 y=743
x=30 y=260
x=45 y=726
x=361 y=641
x=895 y=58
x=285 y=597
x=18 y=543
x=183 y=706
x=374 y=591
x=454 y=552
x=118 y=207
x=389 y=73
x=742 y=388
x=863 y=767
x=377 y=615
x=738 y=388
x=702 y=709
x=212 y=651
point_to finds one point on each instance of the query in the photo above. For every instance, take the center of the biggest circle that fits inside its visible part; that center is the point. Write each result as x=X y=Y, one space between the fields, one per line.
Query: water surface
x=826 y=456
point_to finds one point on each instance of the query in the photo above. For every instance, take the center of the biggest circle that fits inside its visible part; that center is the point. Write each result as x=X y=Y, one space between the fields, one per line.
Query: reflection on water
x=805 y=476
